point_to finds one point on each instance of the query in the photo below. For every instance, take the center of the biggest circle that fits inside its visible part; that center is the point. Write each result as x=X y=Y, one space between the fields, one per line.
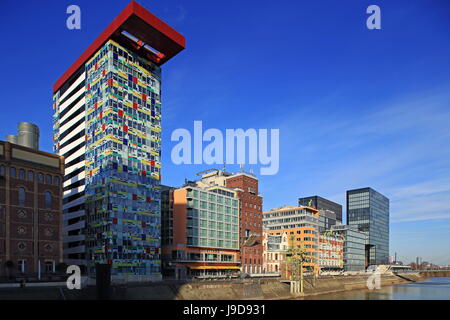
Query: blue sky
x=355 y=107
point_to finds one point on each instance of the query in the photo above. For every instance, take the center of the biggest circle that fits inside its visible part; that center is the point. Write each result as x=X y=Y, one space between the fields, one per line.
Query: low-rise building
x=331 y=251
x=275 y=248
x=30 y=209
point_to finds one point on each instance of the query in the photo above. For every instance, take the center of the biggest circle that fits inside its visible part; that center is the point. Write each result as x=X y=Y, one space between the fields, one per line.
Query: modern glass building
x=354 y=247
x=368 y=210
x=324 y=205
x=204 y=237
x=107 y=125
x=213 y=218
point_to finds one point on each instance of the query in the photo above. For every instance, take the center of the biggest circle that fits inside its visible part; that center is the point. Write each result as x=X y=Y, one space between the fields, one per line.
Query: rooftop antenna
x=224 y=166
x=241 y=166
x=251 y=171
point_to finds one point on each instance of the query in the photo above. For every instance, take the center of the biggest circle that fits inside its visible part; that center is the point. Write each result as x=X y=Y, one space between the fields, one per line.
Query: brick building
x=251 y=223
x=30 y=210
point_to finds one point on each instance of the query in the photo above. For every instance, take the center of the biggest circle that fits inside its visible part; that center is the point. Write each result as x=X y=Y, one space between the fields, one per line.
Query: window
x=40 y=178
x=56 y=181
x=49 y=267
x=48 y=200
x=48 y=179
x=22 y=174
x=21 y=197
x=22 y=266
x=12 y=172
x=30 y=176
x=2 y=171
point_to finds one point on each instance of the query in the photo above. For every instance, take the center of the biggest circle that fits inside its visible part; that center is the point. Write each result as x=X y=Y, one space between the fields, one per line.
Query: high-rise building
x=301 y=226
x=330 y=212
x=167 y=201
x=368 y=210
x=250 y=221
x=107 y=125
x=354 y=247
x=203 y=240
x=30 y=206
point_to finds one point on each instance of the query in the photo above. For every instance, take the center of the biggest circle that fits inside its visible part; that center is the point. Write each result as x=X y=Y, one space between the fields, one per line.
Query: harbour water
x=432 y=289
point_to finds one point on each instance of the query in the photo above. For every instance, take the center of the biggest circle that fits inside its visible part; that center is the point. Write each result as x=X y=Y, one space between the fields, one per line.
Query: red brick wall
x=250 y=218
x=23 y=229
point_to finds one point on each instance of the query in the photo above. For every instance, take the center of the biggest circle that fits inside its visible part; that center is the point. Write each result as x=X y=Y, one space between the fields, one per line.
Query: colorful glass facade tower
x=107 y=125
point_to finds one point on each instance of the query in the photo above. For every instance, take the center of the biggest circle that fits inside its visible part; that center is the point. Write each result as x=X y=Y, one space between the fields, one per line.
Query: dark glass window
x=30 y=175
x=21 y=198
x=48 y=179
x=56 y=180
x=12 y=172
x=2 y=170
x=40 y=178
x=48 y=200
x=22 y=174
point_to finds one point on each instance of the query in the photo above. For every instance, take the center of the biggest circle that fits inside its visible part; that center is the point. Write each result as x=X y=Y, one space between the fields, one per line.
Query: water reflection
x=432 y=289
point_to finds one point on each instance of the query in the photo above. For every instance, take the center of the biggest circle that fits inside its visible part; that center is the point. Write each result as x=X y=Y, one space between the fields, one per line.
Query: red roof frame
x=142 y=24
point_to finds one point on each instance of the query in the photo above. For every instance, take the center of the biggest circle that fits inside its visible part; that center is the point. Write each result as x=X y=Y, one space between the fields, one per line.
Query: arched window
x=30 y=176
x=56 y=180
x=21 y=197
x=22 y=174
x=12 y=172
x=40 y=178
x=48 y=179
x=48 y=200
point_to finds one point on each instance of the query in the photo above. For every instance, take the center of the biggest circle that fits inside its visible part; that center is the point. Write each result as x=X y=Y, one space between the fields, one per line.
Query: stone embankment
x=258 y=288
x=246 y=289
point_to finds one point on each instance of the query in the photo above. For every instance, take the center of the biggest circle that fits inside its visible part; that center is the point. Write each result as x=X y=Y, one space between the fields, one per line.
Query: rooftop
x=142 y=25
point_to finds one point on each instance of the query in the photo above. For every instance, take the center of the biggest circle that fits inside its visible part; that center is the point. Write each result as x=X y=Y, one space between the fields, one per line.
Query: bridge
x=424 y=272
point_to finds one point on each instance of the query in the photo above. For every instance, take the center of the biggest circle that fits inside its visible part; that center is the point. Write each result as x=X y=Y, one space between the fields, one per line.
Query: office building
x=30 y=206
x=354 y=247
x=203 y=240
x=250 y=221
x=107 y=125
x=333 y=209
x=167 y=202
x=301 y=226
x=331 y=251
x=368 y=210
